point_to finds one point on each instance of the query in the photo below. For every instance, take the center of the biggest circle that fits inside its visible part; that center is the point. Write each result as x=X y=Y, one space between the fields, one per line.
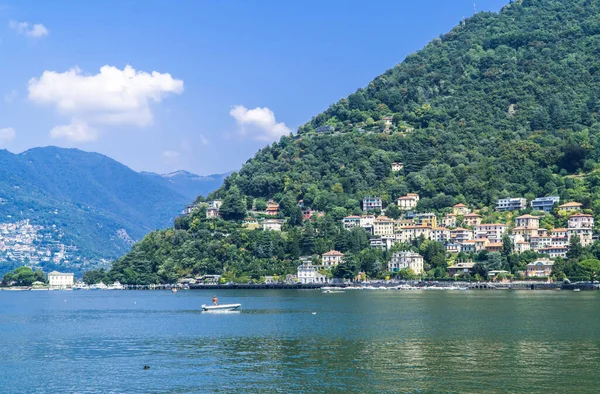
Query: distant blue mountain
x=99 y=204
x=188 y=184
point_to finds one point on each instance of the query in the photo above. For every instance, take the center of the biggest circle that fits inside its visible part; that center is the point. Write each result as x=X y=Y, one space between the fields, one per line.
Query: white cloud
x=204 y=140
x=36 y=30
x=7 y=134
x=77 y=132
x=260 y=122
x=171 y=154
x=10 y=96
x=111 y=97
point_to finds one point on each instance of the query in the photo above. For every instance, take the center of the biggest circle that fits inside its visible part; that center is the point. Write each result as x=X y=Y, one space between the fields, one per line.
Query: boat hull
x=224 y=307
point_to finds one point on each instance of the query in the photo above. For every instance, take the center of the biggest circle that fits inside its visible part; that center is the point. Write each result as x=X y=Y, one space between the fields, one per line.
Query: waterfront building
x=540 y=268
x=406 y=260
x=544 y=203
x=460 y=269
x=60 y=280
x=511 y=204
x=308 y=273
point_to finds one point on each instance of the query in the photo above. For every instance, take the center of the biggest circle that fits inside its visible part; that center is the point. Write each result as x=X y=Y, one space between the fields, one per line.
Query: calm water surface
x=358 y=341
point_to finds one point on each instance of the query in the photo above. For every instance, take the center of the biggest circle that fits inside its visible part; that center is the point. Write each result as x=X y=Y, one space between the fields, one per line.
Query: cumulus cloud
x=259 y=123
x=7 y=134
x=77 y=132
x=111 y=97
x=35 y=30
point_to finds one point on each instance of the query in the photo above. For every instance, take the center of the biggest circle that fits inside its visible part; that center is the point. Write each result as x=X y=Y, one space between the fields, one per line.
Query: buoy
x=146 y=367
x=314 y=313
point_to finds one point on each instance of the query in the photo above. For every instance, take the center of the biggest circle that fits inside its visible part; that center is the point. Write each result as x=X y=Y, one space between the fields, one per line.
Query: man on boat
x=215 y=301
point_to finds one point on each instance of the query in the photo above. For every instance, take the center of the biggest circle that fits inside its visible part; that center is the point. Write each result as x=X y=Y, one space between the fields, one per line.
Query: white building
x=385 y=242
x=406 y=260
x=332 y=258
x=215 y=204
x=308 y=273
x=212 y=213
x=491 y=231
x=60 y=280
x=581 y=224
x=511 y=204
x=528 y=221
x=272 y=225
x=397 y=166
x=408 y=202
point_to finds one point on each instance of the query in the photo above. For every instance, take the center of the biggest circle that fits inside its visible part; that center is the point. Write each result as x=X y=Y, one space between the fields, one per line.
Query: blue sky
x=231 y=75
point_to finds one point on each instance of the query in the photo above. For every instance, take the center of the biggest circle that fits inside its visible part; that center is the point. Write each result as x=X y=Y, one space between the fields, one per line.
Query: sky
x=195 y=85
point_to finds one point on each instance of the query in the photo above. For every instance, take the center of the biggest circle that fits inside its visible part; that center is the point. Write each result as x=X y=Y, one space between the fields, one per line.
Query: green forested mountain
x=504 y=105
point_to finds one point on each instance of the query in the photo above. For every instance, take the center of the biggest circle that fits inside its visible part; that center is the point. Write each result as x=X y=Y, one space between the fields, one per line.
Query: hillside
x=189 y=185
x=98 y=205
x=504 y=105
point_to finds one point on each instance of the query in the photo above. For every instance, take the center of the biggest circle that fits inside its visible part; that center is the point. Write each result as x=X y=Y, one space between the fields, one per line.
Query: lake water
x=358 y=341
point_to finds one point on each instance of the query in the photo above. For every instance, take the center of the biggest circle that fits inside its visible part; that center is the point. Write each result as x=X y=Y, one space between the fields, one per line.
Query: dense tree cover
x=23 y=276
x=503 y=105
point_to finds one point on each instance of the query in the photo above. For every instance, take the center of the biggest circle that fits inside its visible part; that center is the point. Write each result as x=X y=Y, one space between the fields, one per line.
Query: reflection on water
x=358 y=342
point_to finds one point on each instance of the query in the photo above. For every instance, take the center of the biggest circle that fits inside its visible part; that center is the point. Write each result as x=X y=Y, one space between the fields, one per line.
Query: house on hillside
x=511 y=204
x=383 y=226
x=571 y=206
x=215 y=204
x=544 y=203
x=397 y=166
x=408 y=202
x=250 y=224
x=449 y=220
x=212 y=213
x=372 y=203
x=528 y=221
x=472 y=219
x=460 y=269
x=426 y=219
x=308 y=274
x=272 y=208
x=460 y=210
x=332 y=258
x=272 y=225
x=349 y=222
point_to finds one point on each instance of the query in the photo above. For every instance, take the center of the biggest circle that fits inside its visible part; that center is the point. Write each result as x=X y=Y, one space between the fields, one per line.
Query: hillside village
x=464 y=233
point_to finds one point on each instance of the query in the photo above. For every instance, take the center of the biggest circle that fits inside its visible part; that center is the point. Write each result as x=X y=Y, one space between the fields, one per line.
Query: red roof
x=333 y=253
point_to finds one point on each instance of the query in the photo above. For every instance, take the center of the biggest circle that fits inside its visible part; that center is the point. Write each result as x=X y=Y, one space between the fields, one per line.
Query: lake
x=358 y=341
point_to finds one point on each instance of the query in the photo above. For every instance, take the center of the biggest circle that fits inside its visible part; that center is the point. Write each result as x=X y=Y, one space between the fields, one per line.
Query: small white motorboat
x=224 y=307
x=332 y=291
x=576 y=289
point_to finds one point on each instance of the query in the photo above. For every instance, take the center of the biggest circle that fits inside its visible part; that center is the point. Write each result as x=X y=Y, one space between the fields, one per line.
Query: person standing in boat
x=215 y=301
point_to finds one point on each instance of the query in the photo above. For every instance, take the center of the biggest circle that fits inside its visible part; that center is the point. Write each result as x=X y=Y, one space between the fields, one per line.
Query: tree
x=575 y=249
x=260 y=204
x=507 y=246
x=393 y=212
x=591 y=266
x=233 y=207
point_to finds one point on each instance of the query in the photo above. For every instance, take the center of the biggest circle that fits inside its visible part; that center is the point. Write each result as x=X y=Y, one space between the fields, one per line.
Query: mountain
x=504 y=105
x=96 y=206
x=188 y=184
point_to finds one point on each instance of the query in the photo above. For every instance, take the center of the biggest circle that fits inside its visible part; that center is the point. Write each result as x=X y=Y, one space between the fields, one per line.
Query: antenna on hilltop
x=474 y=8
